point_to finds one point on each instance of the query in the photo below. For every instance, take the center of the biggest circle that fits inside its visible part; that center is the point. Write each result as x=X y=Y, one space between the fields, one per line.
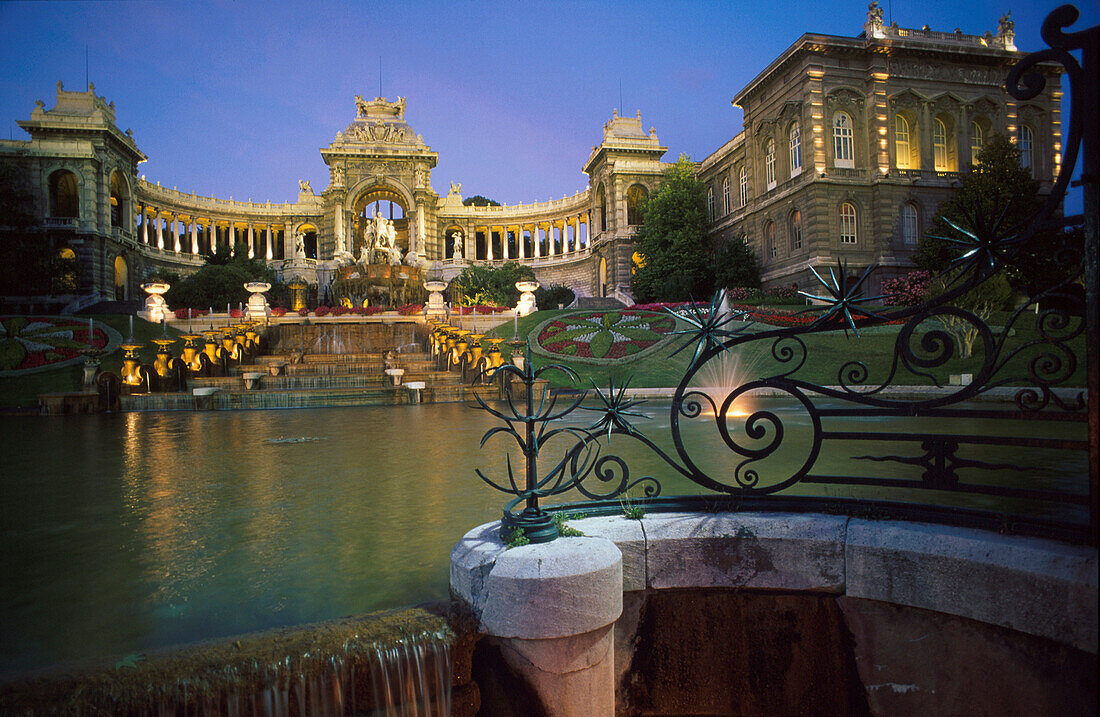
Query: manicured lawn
x=828 y=354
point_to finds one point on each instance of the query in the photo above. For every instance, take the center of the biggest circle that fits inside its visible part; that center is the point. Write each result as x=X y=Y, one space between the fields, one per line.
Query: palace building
x=848 y=146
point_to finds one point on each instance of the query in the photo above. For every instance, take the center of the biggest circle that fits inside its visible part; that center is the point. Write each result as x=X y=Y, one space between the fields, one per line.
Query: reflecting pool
x=122 y=533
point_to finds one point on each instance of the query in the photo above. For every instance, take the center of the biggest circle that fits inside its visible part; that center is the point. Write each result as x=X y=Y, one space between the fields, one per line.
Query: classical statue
x=303 y=186
x=1006 y=24
x=456 y=252
x=360 y=106
x=456 y=188
x=300 y=245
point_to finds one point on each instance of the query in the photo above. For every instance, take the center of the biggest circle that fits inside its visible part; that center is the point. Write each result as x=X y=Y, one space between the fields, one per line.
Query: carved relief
x=970 y=75
x=844 y=97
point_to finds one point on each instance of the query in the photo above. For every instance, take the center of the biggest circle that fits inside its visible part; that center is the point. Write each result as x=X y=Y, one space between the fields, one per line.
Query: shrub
x=278 y=311
x=908 y=290
x=553 y=296
x=322 y=311
x=410 y=309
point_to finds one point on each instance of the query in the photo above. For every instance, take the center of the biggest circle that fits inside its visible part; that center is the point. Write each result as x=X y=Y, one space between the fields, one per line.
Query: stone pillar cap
x=566 y=587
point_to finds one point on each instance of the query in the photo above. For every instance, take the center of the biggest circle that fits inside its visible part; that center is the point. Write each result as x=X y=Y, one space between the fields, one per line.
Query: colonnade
x=530 y=240
x=189 y=233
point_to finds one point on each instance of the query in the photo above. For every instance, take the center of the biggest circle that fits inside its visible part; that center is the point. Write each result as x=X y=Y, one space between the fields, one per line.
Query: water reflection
x=127 y=532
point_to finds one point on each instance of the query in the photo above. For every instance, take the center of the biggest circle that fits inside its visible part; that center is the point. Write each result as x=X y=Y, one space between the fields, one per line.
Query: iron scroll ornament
x=1038 y=370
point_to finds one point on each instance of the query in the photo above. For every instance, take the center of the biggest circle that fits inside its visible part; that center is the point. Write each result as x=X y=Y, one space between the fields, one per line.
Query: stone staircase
x=597 y=302
x=312 y=381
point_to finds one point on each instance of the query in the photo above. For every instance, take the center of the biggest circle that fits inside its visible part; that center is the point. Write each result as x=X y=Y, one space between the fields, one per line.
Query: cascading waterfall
x=384 y=670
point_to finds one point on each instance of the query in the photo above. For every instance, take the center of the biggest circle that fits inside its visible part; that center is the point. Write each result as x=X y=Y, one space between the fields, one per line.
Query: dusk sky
x=235 y=99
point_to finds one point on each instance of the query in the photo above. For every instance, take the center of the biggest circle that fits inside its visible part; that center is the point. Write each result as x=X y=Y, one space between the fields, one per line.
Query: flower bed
x=604 y=334
x=31 y=342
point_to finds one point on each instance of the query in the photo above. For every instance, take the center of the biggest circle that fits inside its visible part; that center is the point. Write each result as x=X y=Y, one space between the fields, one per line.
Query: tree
x=678 y=261
x=32 y=265
x=993 y=294
x=488 y=286
x=479 y=201
x=221 y=281
x=996 y=184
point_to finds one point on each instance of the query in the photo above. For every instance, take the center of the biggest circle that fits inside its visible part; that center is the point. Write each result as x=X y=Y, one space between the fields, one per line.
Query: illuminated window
x=795 y=141
x=847 y=223
x=910 y=230
x=843 y=149
x=977 y=138
x=901 y=142
x=743 y=182
x=796 y=229
x=1027 y=148
x=939 y=145
x=769 y=163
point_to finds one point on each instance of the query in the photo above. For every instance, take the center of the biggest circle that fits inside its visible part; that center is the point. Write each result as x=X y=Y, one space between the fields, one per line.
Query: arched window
x=64 y=195
x=1027 y=148
x=119 y=195
x=939 y=145
x=635 y=198
x=910 y=229
x=796 y=230
x=795 y=141
x=743 y=185
x=770 y=247
x=977 y=139
x=769 y=163
x=847 y=223
x=901 y=142
x=601 y=199
x=710 y=203
x=843 y=149
x=726 y=206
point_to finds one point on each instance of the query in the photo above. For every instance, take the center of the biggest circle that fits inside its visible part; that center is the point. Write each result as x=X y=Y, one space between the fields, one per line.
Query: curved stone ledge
x=1039 y=587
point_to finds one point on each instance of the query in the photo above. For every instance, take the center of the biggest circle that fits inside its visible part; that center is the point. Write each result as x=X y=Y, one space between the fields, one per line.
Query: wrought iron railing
x=921 y=470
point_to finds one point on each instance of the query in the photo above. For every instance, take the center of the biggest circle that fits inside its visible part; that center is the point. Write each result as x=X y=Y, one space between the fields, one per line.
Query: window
x=1027 y=148
x=843 y=151
x=64 y=195
x=769 y=163
x=909 y=227
x=939 y=145
x=795 y=137
x=769 y=241
x=901 y=142
x=726 y=206
x=743 y=182
x=710 y=203
x=635 y=198
x=977 y=138
x=796 y=230
x=847 y=223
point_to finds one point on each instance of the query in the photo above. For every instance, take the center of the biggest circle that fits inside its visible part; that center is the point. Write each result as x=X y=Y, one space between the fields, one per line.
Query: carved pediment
x=907 y=99
x=947 y=102
x=791 y=111
x=845 y=97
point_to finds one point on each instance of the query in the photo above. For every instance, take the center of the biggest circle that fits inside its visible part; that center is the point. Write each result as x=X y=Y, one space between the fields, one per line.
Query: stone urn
x=526 y=303
x=258 y=310
x=156 y=308
x=436 y=307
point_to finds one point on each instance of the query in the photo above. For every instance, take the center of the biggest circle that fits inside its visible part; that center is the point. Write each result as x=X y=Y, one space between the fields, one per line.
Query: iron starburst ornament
x=709 y=326
x=844 y=298
x=615 y=410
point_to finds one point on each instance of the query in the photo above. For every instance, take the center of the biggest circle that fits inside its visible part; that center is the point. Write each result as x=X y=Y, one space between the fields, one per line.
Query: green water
x=122 y=533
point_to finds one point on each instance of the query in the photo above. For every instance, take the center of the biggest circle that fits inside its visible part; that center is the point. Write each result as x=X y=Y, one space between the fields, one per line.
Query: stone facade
x=849 y=145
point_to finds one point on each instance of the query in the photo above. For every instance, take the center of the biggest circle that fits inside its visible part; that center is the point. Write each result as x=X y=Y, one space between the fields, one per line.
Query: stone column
x=160 y=229
x=231 y=238
x=288 y=241
x=251 y=242
x=174 y=221
x=194 y=235
x=212 y=230
x=489 y=242
x=520 y=248
x=535 y=241
x=144 y=224
x=550 y=239
x=268 y=250
x=552 y=609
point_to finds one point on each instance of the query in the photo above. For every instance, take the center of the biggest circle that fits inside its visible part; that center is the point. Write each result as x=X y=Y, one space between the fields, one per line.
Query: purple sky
x=237 y=98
